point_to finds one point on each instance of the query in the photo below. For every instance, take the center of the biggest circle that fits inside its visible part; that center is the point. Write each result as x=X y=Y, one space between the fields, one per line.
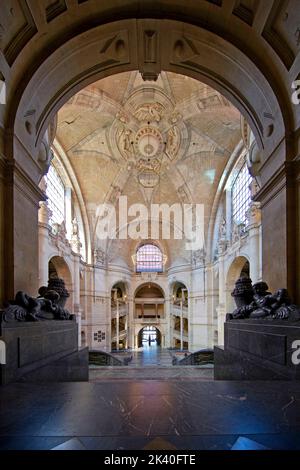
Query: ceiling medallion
x=149 y=142
x=146 y=146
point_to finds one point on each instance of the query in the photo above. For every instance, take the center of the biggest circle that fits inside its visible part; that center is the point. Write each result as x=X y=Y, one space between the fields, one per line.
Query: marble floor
x=177 y=373
x=150 y=414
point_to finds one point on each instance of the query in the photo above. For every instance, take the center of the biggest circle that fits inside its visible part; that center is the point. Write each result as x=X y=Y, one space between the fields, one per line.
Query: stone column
x=44 y=228
x=76 y=293
x=280 y=232
x=131 y=306
x=181 y=323
x=168 y=316
x=118 y=325
x=68 y=208
x=254 y=217
x=221 y=309
x=20 y=242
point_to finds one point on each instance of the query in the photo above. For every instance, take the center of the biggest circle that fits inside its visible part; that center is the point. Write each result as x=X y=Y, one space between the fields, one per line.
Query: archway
x=149 y=300
x=149 y=336
x=175 y=46
x=244 y=89
x=240 y=267
x=58 y=268
x=149 y=311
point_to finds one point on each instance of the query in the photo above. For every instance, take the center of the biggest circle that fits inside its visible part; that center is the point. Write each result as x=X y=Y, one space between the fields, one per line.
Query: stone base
x=257 y=350
x=43 y=351
x=71 y=368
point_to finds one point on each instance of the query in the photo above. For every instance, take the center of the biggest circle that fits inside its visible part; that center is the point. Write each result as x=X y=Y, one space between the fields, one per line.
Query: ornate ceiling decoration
x=163 y=142
x=148 y=135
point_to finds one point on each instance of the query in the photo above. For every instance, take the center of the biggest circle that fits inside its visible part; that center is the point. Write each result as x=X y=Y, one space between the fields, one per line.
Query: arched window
x=149 y=258
x=55 y=192
x=241 y=196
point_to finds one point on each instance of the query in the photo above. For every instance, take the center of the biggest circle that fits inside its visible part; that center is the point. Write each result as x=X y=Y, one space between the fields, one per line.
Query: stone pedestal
x=43 y=351
x=257 y=350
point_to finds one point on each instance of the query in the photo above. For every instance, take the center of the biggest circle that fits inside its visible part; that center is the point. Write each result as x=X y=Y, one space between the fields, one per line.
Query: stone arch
x=154 y=284
x=183 y=48
x=158 y=338
x=235 y=271
x=63 y=271
x=122 y=285
x=149 y=302
x=176 y=281
x=198 y=44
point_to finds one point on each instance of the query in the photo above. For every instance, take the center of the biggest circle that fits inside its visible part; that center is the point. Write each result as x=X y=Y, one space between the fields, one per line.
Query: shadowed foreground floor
x=150 y=414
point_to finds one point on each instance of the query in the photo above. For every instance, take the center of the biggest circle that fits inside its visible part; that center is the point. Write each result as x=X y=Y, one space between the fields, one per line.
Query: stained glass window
x=149 y=258
x=56 y=196
x=241 y=196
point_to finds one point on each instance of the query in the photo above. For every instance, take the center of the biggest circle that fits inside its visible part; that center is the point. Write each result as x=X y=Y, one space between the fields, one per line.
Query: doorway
x=150 y=352
x=149 y=337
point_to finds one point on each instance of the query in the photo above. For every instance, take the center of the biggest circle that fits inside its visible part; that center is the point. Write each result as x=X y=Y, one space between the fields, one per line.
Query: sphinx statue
x=48 y=305
x=256 y=302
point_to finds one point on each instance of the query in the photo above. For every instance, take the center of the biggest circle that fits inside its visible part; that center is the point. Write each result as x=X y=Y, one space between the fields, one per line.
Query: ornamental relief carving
x=149 y=112
x=124 y=138
x=148 y=135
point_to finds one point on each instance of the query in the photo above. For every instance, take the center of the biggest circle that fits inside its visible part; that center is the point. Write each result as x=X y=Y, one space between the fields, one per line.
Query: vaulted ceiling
x=155 y=142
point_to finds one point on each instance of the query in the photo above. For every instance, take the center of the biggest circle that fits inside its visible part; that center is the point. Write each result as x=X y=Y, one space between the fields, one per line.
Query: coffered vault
x=155 y=142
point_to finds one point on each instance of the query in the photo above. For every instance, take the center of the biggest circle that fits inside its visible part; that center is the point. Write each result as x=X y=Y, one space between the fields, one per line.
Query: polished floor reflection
x=151 y=355
x=150 y=414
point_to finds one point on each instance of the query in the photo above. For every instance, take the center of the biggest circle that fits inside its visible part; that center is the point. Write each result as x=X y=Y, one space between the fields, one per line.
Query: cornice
x=15 y=175
x=284 y=177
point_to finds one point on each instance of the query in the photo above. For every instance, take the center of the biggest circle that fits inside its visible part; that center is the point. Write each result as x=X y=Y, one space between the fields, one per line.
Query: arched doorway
x=149 y=336
x=149 y=351
x=149 y=310
x=149 y=300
